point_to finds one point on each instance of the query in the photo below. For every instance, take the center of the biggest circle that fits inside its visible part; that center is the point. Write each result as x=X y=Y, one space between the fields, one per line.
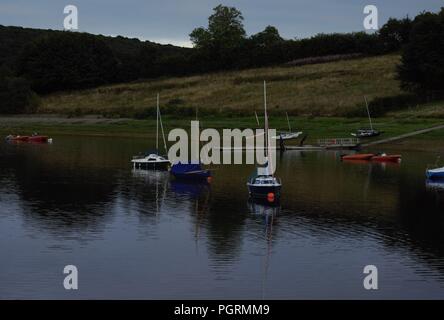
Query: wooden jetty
x=339 y=143
x=323 y=144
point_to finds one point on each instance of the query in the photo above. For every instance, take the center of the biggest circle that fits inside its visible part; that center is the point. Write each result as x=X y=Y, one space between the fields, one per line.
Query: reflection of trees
x=225 y=224
x=59 y=197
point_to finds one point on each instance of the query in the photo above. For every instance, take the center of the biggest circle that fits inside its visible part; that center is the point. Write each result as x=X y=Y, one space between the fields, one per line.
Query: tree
x=67 y=60
x=223 y=37
x=269 y=37
x=422 y=61
x=16 y=95
x=395 y=33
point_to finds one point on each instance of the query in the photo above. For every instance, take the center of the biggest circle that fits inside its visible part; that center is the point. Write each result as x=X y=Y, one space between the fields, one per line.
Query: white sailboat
x=368 y=132
x=263 y=184
x=287 y=135
x=152 y=159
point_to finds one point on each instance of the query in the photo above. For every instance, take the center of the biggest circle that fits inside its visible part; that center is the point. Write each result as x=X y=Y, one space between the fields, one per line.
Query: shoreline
x=315 y=128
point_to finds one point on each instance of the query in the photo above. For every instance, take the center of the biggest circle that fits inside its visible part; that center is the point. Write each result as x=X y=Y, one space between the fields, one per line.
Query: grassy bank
x=318 y=127
x=324 y=89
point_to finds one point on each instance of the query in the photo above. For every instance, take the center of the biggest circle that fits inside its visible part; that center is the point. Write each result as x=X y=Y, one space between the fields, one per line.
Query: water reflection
x=268 y=212
x=83 y=195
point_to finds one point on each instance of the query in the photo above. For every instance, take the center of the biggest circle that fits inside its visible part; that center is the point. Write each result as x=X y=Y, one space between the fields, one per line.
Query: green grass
x=327 y=89
x=316 y=128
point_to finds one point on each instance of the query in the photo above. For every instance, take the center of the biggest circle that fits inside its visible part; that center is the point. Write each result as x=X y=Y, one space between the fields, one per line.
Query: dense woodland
x=35 y=62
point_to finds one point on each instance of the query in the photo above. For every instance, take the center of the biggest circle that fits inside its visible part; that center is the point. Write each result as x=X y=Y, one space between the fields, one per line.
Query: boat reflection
x=437 y=185
x=151 y=176
x=191 y=188
x=262 y=207
x=268 y=211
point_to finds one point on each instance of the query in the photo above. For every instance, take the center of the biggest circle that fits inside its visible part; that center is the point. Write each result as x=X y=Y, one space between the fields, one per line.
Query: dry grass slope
x=327 y=89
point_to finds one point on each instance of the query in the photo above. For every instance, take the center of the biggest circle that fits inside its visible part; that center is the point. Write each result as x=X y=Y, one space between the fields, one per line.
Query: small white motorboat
x=151 y=161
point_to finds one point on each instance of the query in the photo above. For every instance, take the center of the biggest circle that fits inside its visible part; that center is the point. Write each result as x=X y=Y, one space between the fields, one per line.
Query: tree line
x=45 y=61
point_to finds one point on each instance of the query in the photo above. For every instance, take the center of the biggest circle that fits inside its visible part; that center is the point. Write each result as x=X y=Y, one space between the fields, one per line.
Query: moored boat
x=262 y=183
x=287 y=135
x=358 y=156
x=367 y=132
x=190 y=171
x=435 y=174
x=150 y=161
x=153 y=160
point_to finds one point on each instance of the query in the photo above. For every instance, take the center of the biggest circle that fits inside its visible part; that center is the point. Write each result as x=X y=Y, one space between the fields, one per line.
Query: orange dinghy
x=359 y=156
x=387 y=158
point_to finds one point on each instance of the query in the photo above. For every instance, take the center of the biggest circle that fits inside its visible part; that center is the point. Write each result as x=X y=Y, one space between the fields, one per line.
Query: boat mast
x=157 y=124
x=288 y=121
x=267 y=138
x=265 y=119
x=163 y=132
x=368 y=113
x=257 y=119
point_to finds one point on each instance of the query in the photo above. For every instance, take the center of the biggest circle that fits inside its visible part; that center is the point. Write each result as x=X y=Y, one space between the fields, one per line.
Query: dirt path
x=403 y=136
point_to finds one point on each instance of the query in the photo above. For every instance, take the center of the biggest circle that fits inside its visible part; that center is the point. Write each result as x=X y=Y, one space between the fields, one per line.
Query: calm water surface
x=144 y=235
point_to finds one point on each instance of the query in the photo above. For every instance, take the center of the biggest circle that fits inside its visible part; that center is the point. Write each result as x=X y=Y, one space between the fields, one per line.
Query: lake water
x=143 y=235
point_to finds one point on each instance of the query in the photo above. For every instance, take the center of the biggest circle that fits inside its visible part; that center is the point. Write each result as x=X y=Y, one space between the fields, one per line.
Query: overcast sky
x=171 y=21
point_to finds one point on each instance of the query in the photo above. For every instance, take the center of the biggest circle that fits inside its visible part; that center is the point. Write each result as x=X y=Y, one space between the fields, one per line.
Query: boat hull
x=435 y=174
x=388 y=158
x=198 y=176
x=257 y=191
x=151 y=165
x=363 y=156
x=38 y=139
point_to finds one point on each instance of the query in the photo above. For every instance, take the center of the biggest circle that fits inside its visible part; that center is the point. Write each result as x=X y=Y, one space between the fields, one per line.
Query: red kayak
x=38 y=139
x=359 y=156
x=387 y=158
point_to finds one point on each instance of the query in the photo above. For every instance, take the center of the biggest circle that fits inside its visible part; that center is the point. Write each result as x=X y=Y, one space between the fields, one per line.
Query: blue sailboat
x=190 y=171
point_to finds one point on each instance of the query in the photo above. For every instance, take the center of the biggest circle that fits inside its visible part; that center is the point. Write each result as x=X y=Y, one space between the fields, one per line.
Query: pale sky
x=171 y=21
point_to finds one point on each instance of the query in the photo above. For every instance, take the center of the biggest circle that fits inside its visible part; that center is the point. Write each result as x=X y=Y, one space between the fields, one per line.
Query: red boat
x=358 y=156
x=33 y=139
x=38 y=139
x=387 y=157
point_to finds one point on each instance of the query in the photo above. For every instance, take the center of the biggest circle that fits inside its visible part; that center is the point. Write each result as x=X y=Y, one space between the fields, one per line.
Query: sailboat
x=262 y=183
x=366 y=133
x=287 y=135
x=152 y=159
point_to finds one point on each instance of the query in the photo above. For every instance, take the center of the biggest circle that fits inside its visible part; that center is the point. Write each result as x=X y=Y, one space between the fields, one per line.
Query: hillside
x=335 y=88
x=14 y=39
